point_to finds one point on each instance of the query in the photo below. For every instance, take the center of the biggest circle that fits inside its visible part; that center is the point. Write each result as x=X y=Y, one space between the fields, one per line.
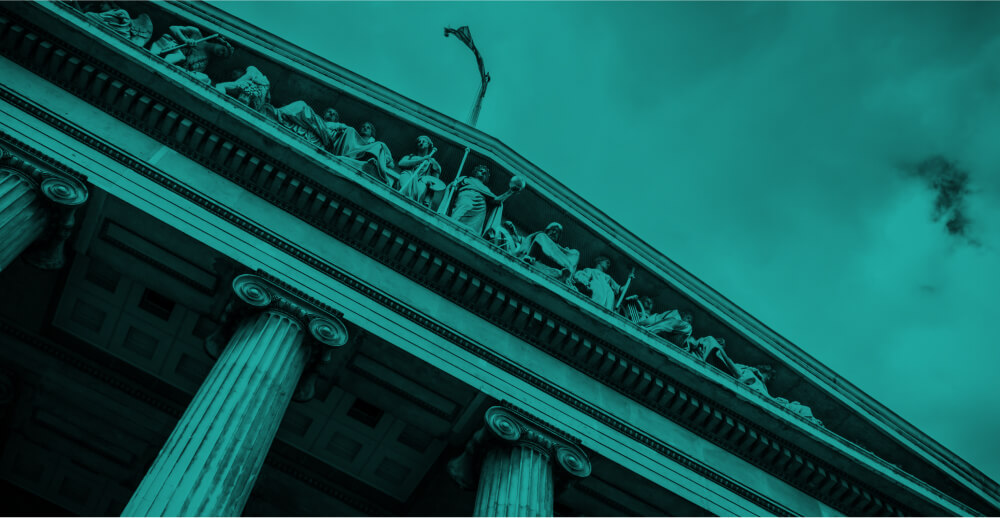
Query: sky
x=832 y=168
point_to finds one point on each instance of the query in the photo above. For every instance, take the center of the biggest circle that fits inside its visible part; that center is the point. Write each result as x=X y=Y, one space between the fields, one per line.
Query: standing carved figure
x=187 y=48
x=138 y=30
x=542 y=250
x=673 y=325
x=251 y=88
x=422 y=178
x=598 y=284
x=475 y=205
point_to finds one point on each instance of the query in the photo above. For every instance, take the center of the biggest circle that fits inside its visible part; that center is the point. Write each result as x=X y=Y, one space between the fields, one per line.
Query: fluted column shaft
x=23 y=217
x=211 y=460
x=515 y=481
x=213 y=456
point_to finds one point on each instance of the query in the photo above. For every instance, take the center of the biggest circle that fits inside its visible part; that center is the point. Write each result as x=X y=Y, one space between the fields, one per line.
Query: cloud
x=951 y=184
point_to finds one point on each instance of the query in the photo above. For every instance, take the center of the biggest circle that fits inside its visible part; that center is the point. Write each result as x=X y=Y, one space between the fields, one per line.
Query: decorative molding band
x=416 y=260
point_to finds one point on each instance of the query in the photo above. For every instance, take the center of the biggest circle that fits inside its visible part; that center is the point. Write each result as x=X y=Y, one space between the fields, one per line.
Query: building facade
x=223 y=299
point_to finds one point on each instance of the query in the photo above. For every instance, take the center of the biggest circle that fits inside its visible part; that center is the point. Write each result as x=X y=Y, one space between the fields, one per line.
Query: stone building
x=219 y=302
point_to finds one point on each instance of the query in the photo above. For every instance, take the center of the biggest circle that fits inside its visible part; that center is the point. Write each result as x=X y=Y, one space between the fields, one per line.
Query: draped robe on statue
x=302 y=120
x=472 y=205
x=544 y=250
x=751 y=377
x=710 y=350
x=670 y=324
x=138 y=30
x=799 y=409
x=603 y=289
x=422 y=182
x=349 y=143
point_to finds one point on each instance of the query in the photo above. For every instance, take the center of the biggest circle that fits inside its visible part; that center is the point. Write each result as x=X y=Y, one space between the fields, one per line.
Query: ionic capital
x=59 y=194
x=264 y=295
x=506 y=428
x=513 y=427
x=58 y=188
x=324 y=329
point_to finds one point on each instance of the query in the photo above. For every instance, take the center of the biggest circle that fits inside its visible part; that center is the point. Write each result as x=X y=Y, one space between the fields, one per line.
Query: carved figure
x=673 y=325
x=508 y=237
x=332 y=124
x=301 y=119
x=251 y=88
x=187 y=48
x=138 y=30
x=712 y=350
x=361 y=145
x=475 y=205
x=800 y=409
x=542 y=250
x=596 y=283
x=754 y=377
x=422 y=178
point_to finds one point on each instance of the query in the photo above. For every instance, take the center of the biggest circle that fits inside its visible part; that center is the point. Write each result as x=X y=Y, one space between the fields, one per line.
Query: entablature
x=333 y=195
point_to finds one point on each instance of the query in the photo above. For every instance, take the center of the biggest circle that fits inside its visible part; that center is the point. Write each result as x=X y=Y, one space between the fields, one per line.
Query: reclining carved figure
x=673 y=325
x=138 y=30
x=251 y=87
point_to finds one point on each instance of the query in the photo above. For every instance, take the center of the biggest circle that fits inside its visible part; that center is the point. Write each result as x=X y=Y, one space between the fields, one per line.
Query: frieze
x=387 y=244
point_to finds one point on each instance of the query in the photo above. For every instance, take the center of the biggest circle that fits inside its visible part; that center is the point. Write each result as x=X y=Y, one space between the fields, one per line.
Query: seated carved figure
x=361 y=145
x=597 y=284
x=474 y=204
x=672 y=325
x=188 y=49
x=542 y=250
x=138 y=30
x=421 y=179
x=754 y=377
x=250 y=88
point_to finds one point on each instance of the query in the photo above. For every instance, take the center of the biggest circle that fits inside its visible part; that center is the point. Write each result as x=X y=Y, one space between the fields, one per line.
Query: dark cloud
x=951 y=185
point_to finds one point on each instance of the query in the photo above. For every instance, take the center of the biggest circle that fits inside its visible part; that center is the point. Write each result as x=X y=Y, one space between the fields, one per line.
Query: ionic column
x=36 y=207
x=514 y=458
x=211 y=460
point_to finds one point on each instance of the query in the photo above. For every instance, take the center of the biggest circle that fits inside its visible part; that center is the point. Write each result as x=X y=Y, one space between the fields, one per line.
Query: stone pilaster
x=37 y=210
x=514 y=458
x=211 y=460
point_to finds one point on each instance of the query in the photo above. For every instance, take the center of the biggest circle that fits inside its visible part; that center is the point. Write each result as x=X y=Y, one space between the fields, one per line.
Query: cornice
x=415 y=259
